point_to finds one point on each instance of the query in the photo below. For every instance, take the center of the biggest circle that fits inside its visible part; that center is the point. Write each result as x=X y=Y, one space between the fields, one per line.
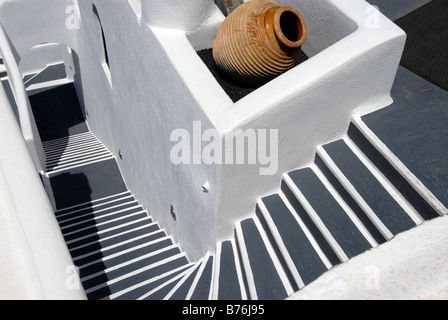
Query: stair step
x=81 y=157
x=65 y=155
x=155 y=288
x=69 y=151
x=106 y=226
x=80 y=162
x=371 y=222
x=181 y=290
x=339 y=229
x=86 y=183
x=229 y=282
x=201 y=290
x=70 y=144
x=112 y=261
x=96 y=275
x=300 y=250
x=265 y=276
x=391 y=214
x=87 y=257
x=73 y=151
x=409 y=192
x=62 y=142
x=107 y=216
x=126 y=282
x=107 y=234
x=90 y=206
x=99 y=211
x=114 y=241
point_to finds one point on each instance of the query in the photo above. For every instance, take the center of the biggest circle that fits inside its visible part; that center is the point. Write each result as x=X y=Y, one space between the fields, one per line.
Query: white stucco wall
x=46 y=18
x=19 y=277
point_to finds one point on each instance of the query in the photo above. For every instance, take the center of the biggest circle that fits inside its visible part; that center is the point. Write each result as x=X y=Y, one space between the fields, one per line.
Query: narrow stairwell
x=116 y=245
x=113 y=241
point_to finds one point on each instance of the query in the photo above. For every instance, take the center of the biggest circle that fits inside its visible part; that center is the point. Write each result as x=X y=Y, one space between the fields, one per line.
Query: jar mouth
x=289 y=27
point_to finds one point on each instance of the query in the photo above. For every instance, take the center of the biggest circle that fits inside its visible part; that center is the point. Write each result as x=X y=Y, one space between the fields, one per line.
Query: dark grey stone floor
x=395 y=9
x=58 y=113
x=87 y=183
x=415 y=128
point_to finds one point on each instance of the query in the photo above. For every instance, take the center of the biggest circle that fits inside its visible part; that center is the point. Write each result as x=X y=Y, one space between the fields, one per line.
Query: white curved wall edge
x=36 y=263
x=27 y=122
x=177 y=14
x=38 y=57
x=19 y=276
x=412 y=266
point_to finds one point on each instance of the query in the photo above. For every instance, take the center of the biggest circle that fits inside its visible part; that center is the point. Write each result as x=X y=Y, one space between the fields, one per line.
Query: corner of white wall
x=177 y=14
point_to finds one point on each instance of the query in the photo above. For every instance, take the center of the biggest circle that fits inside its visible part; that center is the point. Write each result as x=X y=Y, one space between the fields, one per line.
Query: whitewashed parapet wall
x=35 y=262
x=156 y=83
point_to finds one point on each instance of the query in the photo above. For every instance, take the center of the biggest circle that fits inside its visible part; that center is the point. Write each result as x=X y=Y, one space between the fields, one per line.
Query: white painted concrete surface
x=27 y=123
x=413 y=266
x=35 y=262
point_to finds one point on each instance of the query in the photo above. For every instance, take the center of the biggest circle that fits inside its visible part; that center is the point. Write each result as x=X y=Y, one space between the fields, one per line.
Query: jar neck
x=285 y=26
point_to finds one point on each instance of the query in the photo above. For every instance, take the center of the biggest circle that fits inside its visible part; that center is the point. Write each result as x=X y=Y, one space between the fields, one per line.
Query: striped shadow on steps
x=118 y=248
x=74 y=151
x=120 y=252
x=342 y=205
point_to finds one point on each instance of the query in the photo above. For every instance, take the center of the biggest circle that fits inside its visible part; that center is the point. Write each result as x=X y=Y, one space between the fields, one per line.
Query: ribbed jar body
x=258 y=41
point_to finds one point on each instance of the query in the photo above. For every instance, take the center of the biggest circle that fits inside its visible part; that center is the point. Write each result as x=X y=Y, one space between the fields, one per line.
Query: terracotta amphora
x=258 y=41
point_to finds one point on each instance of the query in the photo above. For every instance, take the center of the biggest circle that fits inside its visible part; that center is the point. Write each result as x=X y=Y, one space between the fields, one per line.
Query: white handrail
x=26 y=117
